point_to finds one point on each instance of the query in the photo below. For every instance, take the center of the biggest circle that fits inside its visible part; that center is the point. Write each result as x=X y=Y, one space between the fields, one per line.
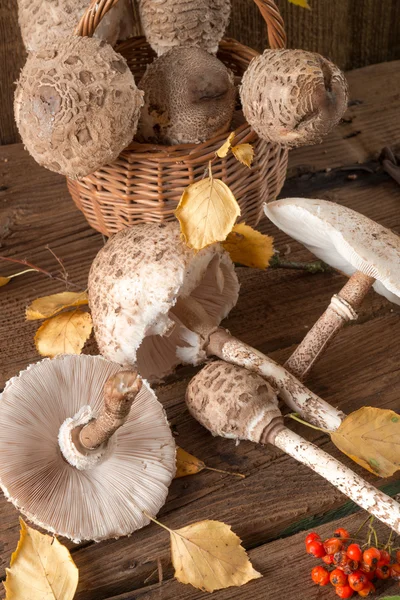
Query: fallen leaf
x=206 y=212
x=249 y=247
x=371 y=437
x=4 y=281
x=244 y=153
x=41 y=569
x=48 y=306
x=226 y=146
x=302 y=3
x=187 y=464
x=391 y=598
x=209 y=556
x=64 y=334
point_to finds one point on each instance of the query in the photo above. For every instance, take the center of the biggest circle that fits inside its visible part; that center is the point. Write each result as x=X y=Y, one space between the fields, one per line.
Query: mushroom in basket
x=85 y=448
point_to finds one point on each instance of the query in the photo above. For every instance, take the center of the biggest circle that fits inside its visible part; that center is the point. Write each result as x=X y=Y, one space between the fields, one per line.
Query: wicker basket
x=146 y=181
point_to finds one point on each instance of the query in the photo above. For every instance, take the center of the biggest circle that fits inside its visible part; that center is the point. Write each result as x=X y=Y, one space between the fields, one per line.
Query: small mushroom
x=76 y=105
x=189 y=97
x=292 y=97
x=194 y=23
x=44 y=22
x=157 y=303
x=85 y=448
x=349 y=242
x=233 y=403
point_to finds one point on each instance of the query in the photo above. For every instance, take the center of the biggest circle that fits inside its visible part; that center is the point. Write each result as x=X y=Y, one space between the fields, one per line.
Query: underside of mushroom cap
x=45 y=21
x=343 y=238
x=105 y=501
x=199 y=23
x=135 y=281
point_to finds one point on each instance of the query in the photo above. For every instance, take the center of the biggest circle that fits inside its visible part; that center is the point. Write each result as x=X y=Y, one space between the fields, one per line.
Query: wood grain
x=275 y=309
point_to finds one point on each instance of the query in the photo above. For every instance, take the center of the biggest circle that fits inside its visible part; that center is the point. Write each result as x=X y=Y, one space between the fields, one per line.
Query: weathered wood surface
x=352 y=34
x=278 y=497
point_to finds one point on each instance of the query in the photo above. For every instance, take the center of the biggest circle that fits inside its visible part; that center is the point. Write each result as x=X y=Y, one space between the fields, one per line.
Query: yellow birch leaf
x=48 y=306
x=249 y=247
x=302 y=3
x=187 y=464
x=64 y=334
x=244 y=153
x=209 y=556
x=226 y=146
x=4 y=281
x=371 y=437
x=41 y=569
x=207 y=211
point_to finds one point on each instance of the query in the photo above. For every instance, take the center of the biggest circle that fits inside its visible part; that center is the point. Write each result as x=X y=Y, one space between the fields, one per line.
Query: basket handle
x=274 y=21
x=92 y=16
x=270 y=12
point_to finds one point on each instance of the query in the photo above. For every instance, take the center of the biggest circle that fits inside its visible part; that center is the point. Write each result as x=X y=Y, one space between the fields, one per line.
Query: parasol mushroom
x=232 y=402
x=79 y=467
x=349 y=242
x=156 y=303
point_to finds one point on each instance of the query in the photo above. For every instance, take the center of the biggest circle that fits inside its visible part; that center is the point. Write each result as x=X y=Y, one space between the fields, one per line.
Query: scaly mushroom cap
x=343 y=238
x=76 y=105
x=106 y=500
x=232 y=402
x=43 y=22
x=169 y=23
x=135 y=281
x=293 y=97
x=189 y=97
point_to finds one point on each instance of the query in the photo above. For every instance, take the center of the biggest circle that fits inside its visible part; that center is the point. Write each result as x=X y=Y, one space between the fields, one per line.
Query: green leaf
x=391 y=598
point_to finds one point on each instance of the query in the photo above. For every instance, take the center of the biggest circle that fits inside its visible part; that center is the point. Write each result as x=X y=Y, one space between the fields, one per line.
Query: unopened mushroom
x=169 y=23
x=76 y=105
x=189 y=97
x=85 y=448
x=157 y=303
x=349 y=242
x=292 y=97
x=44 y=22
x=233 y=403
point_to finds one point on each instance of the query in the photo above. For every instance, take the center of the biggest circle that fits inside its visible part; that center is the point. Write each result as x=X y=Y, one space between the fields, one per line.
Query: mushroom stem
x=119 y=393
x=342 y=309
x=299 y=398
x=364 y=494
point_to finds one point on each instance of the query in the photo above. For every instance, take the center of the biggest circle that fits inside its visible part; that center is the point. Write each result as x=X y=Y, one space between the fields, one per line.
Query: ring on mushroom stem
x=85 y=448
x=157 y=303
x=221 y=389
x=349 y=242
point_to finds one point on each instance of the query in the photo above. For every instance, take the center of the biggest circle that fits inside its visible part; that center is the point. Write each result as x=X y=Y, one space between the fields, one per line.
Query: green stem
x=316 y=266
x=296 y=417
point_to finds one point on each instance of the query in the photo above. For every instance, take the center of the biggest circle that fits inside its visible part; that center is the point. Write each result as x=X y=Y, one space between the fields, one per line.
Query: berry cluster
x=349 y=568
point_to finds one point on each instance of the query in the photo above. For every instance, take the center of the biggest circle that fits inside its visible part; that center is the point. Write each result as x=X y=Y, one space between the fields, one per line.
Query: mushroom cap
x=231 y=401
x=76 y=105
x=343 y=238
x=293 y=97
x=135 y=281
x=104 y=501
x=169 y=23
x=43 y=22
x=189 y=97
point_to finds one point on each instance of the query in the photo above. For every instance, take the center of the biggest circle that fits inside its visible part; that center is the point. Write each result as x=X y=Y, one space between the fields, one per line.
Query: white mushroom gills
x=235 y=403
x=349 y=242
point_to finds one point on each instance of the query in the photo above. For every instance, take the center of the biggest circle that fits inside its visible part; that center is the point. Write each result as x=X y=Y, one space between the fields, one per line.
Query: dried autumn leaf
x=206 y=212
x=41 y=569
x=371 y=437
x=244 y=153
x=65 y=333
x=226 y=146
x=48 y=306
x=187 y=464
x=4 y=281
x=249 y=247
x=302 y=3
x=209 y=556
